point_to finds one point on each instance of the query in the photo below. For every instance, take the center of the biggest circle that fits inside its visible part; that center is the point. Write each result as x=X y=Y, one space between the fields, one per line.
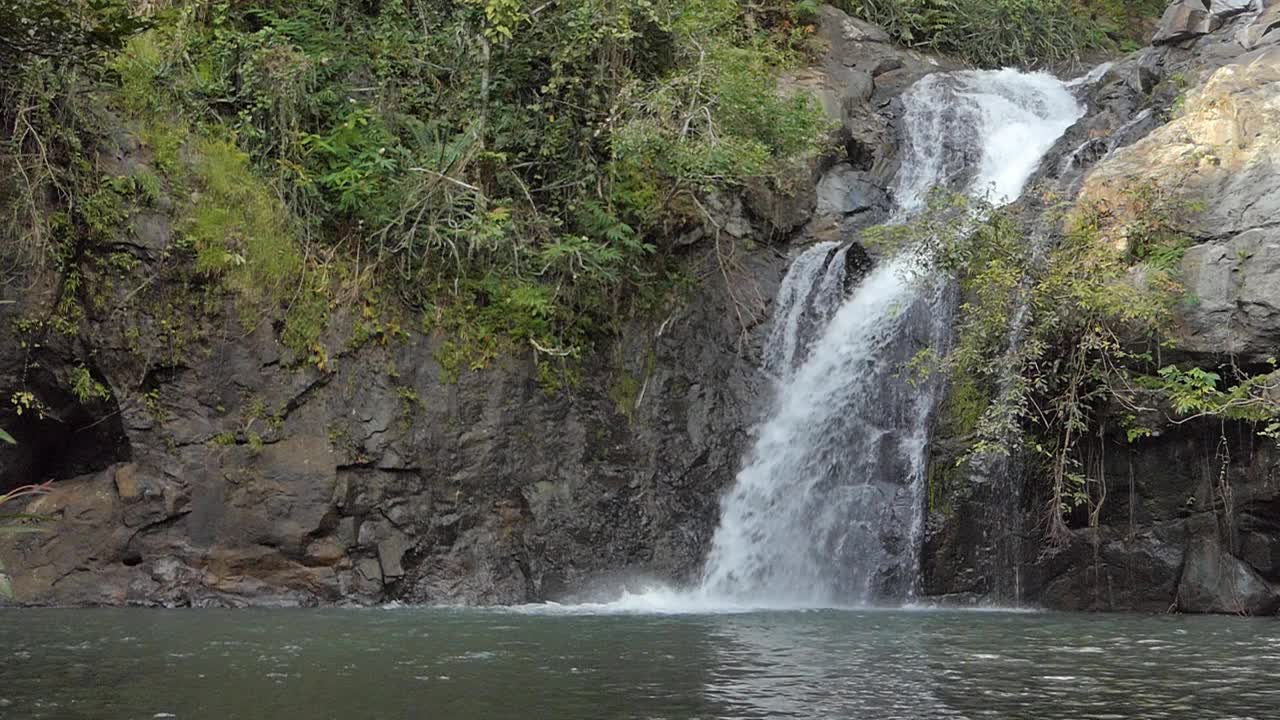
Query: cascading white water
x=981 y=131
x=807 y=297
x=798 y=511
x=828 y=509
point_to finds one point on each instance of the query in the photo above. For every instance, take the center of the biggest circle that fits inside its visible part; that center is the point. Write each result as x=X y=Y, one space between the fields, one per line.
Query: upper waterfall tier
x=982 y=131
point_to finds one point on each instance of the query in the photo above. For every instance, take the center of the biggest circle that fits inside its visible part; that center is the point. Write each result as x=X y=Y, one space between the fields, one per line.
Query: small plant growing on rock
x=24 y=401
x=86 y=388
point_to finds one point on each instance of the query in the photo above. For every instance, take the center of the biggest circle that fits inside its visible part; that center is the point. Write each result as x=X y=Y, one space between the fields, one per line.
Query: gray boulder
x=1190 y=19
x=1214 y=581
x=1264 y=29
x=1233 y=290
x=844 y=191
x=1230 y=8
x=1183 y=20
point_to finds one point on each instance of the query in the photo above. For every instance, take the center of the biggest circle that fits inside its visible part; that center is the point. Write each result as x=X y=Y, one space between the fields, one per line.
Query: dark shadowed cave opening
x=859 y=154
x=67 y=440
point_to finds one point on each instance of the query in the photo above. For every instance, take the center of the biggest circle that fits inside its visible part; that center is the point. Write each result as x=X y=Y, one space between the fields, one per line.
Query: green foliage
x=501 y=17
x=410 y=402
x=1197 y=392
x=240 y=231
x=85 y=388
x=376 y=323
x=66 y=31
x=237 y=226
x=243 y=234
x=1194 y=390
x=1152 y=235
x=7 y=438
x=513 y=171
x=49 y=51
x=485 y=318
x=963 y=410
x=624 y=392
x=995 y=33
x=37 y=102
x=24 y=401
x=516 y=168
x=353 y=158
x=719 y=122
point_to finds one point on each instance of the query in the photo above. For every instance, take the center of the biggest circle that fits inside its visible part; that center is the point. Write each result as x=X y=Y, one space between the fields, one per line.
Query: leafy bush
x=86 y=388
x=65 y=31
x=485 y=157
x=49 y=51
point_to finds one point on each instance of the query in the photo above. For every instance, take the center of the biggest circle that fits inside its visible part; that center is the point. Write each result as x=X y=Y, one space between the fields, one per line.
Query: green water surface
x=471 y=664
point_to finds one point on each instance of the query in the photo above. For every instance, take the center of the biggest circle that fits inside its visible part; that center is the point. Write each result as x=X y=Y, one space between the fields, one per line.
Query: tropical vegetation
x=514 y=173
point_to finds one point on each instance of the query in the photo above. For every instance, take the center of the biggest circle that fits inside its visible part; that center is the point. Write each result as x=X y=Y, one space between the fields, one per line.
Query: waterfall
x=820 y=508
x=828 y=508
x=809 y=295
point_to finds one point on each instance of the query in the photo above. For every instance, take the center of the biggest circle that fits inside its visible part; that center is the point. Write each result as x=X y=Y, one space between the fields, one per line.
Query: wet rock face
x=1186 y=524
x=225 y=471
x=253 y=483
x=857 y=82
x=1214 y=581
x=849 y=199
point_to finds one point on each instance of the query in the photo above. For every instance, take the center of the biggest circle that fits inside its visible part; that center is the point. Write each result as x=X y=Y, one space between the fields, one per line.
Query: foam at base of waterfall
x=665 y=600
x=658 y=600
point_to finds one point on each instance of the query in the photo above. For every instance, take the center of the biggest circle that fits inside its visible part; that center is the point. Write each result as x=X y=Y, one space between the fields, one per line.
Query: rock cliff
x=1189 y=517
x=217 y=469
